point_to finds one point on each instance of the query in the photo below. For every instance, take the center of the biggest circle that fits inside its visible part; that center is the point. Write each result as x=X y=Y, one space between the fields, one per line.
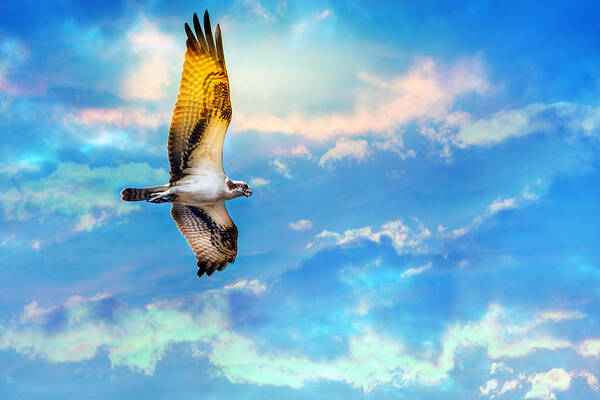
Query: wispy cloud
x=426 y=90
x=309 y=23
x=136 y=338
x=499 y=336
x=500 y=367
x=13 y=53
x=534 y=118
x=281 y=168
x=496 y=206
x=254 y=286
x=416 y=271
x=10 y=169
x=590 y=347
x=121 y=117
x=489 y=386
x=259 y=182
x=502 y=204
x=402 y=236
x=543 y=385
x=299 y=150
x=345 y=148
x=301 y=225
x=158 y=58
x=78 y=190
x=258 y=9
x=7 y=239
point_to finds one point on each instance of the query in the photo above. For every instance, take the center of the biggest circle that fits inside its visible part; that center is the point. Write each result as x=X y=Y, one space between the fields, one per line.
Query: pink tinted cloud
x=424 y=91
x=122 y=117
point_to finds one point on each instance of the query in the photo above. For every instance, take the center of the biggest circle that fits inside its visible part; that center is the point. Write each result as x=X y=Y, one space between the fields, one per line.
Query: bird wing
x=210 y=232
x=203 y=109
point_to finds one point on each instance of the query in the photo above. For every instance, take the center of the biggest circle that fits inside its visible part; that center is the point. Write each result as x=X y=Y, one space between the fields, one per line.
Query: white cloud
x=259 y=182
x=590 y=378
x=589 y=347
x=138 y=338
x=509 y=385
x=416 y=271
x=7 y=239
x=121 y=117
x=322 y=15
x=401 y=235
x=489 y=386
x=534 y=118
x=425 y=91
x=559 y=315
x=301 y=225
x=12 y=168
x=308 y=24
x=257 y=8
x=158 y=56
x=346 y=148
x=255 y=286
x=499 y=205
x=458 y=232
x=374 y=360
x=494 y=207
x=500 y=367
x=281 y=168
x=89 y=193
x=543 y=385
x=88 y=222
x=301 y=151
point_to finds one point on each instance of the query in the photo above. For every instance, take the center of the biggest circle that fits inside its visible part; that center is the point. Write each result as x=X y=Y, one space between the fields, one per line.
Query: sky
x=424 y=222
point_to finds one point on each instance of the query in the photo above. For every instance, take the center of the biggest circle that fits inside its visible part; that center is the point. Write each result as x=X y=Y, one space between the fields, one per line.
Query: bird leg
x=161 y=197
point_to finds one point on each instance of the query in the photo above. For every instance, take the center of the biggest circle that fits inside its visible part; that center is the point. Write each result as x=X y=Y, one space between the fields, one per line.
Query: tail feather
x=141 y=194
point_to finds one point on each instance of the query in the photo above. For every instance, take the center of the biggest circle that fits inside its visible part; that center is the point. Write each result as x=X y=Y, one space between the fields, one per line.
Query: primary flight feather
x=198 y=186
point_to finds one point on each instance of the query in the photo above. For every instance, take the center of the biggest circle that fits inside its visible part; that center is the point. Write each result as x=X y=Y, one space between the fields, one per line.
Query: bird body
x=199 y=187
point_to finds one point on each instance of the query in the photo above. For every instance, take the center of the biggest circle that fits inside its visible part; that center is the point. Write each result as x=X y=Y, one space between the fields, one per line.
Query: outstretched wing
x=203 y=109
x=210 y=232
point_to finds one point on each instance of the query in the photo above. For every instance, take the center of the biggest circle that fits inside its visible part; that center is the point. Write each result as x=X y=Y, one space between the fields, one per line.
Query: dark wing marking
x=211 y=234
x=203 y=109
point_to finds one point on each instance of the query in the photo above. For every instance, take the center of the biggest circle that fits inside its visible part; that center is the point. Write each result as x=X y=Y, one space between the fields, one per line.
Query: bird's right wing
x=211 y=234
x=203 y=109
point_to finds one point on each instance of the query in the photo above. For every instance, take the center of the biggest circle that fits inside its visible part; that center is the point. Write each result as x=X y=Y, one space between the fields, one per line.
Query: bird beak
x=248 y=192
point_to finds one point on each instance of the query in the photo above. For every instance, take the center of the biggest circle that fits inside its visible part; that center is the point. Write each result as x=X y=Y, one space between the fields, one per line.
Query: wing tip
x=209 y=268
x=205 y=41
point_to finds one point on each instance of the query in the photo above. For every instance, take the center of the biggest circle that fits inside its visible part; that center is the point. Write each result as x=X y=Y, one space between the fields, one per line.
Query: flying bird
x=198 y=186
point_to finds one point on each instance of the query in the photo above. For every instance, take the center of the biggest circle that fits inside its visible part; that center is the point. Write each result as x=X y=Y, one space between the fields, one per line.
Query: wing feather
x=210 y=232
x=199 y=33
x=219 y=40
x=203 y=109
x=209 y=36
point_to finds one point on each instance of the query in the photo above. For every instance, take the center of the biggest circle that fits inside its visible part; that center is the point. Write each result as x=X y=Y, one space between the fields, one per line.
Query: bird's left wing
x=203 y=109
x=211 y=234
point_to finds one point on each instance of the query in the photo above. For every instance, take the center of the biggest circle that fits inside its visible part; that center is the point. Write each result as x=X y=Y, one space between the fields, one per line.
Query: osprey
x=198 y=186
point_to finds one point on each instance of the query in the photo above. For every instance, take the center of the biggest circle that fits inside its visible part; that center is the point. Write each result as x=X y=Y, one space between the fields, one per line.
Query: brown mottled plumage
x=198 y=186
x=203 y=102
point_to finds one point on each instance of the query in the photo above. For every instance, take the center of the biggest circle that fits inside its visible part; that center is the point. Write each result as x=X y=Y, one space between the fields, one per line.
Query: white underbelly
x=197 y=190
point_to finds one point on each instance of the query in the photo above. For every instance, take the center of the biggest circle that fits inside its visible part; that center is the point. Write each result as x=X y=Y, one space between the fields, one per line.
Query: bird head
x=238 y=189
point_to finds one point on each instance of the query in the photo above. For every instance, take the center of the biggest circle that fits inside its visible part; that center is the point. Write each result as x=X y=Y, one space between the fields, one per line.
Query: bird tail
x=133 y=194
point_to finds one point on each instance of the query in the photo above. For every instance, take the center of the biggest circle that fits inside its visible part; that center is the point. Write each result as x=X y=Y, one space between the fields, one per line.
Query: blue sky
x=424 y=220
